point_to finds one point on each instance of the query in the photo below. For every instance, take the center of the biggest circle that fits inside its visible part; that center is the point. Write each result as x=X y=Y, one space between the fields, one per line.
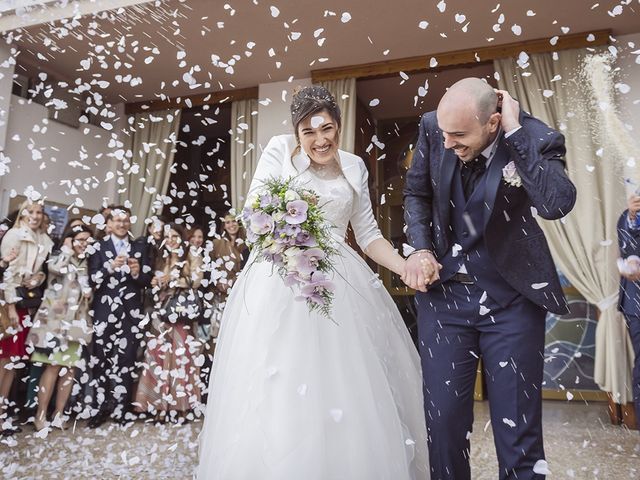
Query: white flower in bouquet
x=291 y=195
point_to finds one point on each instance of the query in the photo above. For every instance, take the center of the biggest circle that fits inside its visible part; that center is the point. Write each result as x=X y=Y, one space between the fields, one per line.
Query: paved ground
x=580 y=444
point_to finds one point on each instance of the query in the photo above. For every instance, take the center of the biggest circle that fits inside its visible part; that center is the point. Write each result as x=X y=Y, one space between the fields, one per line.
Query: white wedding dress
x=297 y=396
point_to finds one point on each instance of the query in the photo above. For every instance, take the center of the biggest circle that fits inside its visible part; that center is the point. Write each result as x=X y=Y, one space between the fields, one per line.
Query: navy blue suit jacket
x=514 y=240
x=117 y=287
x=629 y=244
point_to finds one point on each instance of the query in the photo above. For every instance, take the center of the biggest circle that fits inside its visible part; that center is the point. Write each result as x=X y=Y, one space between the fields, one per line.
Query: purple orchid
x=305 y=239
x=261 y=223
x=307 y=261
x=296 y=212
x=313 y=290
x=268 y=200
x=287 y=234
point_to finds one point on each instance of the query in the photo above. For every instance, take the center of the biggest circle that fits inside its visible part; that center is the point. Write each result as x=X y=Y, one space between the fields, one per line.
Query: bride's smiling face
x=318 y=134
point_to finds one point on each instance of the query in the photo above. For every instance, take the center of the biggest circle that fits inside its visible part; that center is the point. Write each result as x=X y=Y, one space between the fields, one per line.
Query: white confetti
x=509 y=422
x=274 y=11
x=346 y=17
x=541 y=467
x=423 y=24
x=538 y=286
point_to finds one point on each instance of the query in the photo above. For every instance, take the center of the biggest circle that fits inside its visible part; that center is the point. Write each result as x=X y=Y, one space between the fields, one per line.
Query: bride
x=294 y=395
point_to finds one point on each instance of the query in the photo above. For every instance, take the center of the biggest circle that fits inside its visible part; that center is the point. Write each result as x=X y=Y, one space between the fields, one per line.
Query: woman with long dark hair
x=169 y=385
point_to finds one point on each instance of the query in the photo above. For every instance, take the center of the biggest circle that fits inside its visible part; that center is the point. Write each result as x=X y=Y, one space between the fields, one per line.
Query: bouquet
x=286 y=225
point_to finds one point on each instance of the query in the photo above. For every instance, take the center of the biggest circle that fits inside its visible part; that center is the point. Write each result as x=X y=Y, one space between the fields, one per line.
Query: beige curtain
x=147 y=167
x=344 y=91
x=244 y=141
x=565 y=90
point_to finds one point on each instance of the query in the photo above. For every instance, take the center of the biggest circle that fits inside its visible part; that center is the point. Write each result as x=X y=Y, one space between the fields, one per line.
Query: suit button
x=465 y=234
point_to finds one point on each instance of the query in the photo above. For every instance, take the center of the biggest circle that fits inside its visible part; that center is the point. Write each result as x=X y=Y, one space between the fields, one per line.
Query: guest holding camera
x=62 y=326
x=119 y=271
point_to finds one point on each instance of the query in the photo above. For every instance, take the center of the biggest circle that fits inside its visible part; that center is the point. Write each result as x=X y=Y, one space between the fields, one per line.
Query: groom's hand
x=509 y=111
x=421 y=270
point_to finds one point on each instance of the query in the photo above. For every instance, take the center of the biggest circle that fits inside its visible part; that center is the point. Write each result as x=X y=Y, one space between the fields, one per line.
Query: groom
x=482 y=171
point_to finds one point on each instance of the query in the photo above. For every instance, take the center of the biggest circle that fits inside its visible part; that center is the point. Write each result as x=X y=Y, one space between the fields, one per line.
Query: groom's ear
x=494 y=121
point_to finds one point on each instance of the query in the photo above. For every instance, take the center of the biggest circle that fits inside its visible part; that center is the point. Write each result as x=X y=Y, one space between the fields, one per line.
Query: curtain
x=244 y=155
x=344 y=91
x=147 y=165
x=566 y=90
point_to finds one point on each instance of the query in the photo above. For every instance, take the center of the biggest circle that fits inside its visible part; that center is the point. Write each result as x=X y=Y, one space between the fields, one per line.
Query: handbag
x=184 y=307
x=31 y=298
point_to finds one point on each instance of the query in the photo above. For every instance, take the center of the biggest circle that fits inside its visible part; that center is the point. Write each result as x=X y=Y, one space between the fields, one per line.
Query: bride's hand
x=421 y=269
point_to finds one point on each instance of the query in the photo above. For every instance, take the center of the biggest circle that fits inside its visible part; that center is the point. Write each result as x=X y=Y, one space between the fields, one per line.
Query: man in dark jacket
x=629 y=301
x=119 y=271
x=482 y=170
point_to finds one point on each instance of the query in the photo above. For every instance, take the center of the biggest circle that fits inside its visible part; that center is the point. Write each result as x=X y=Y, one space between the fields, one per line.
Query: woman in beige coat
x=23 y=275
x=62 y=325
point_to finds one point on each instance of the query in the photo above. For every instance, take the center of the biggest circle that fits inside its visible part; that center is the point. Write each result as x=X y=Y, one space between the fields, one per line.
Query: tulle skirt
x=297 y=396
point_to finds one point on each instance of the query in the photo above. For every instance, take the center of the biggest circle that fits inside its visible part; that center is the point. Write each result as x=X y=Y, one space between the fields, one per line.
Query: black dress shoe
x=98 y=420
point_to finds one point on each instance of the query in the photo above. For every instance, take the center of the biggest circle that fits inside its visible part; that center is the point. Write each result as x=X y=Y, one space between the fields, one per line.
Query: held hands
x=510 y=111
x=421 y=269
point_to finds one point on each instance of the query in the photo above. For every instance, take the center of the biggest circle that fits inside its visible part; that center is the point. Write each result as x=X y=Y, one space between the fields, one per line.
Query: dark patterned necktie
x=470 y=172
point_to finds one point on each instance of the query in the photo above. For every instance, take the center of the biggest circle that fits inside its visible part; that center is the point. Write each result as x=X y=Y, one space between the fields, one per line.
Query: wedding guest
x=169 y=382
x=229 y=256
x=195 y=236
x=153 y=238
x=629 y=298
x=29 y=246
x=7 y=223
x=102 y=229
x=62 y=326
x=119 y=271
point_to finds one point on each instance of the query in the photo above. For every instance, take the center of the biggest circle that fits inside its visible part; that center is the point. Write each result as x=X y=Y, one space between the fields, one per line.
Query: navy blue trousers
x=633 y=323
x=454 y=333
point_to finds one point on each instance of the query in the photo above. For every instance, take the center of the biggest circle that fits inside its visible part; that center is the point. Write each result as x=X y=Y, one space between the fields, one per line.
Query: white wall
x=7 y=67
x=44 y=153
x=274 y=118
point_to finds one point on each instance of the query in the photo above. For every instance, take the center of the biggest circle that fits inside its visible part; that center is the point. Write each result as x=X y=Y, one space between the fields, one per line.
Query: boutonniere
x=510 y=175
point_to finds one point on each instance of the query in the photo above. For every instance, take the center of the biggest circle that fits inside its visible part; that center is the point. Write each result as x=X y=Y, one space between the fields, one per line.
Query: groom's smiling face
x=462 y=127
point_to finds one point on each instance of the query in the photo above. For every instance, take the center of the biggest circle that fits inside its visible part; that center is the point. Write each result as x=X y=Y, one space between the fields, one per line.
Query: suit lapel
x=494 y=176
x=447 y=168
x=108 y=243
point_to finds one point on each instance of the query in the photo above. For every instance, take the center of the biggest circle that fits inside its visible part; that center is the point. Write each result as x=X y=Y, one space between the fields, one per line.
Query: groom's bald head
x=467 y=116
x=471 y=96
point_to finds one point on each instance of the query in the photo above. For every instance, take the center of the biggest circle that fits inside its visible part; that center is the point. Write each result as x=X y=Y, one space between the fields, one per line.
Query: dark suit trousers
x=633 y=323
x=115 y=350
x=453 y=336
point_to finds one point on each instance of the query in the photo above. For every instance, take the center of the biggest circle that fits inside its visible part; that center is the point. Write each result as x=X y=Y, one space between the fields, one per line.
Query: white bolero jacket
x=278 y=160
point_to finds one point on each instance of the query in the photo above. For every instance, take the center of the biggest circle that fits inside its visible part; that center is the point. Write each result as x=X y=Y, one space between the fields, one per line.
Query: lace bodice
x=336 y=198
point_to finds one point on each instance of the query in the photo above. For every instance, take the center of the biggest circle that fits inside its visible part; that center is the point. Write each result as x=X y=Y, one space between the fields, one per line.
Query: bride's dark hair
x=309 y=100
